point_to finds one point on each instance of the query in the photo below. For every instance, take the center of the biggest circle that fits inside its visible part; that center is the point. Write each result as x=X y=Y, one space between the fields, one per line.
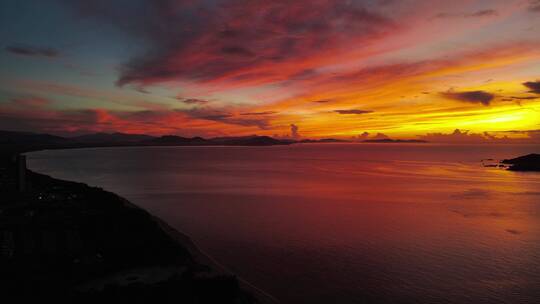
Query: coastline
x=179 y=237
x=53 y=209
x=204 y=258
x=196 y=253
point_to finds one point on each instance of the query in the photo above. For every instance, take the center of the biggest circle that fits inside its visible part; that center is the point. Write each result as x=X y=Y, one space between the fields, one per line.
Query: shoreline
x=187 y=242
x=198 y=255
x=77 y=235
x=202 y=257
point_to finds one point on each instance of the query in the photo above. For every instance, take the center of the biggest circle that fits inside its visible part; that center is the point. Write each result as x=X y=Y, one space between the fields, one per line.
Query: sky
x=443 y=71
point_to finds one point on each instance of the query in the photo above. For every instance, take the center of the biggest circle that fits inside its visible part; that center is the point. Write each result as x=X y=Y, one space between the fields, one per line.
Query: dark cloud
x=237 y=51
x=26 y=102
x=386 y=2
x=216 y=117
x=483 y=13
x=513 y=231
x=352 y=111
x=209 y=40
x=445 y=15
x=473 y=193
x=50 y=122
x=142 y=90
x=481 y=97
x=258 y=113
x=322 y=101
x=534 y=6
x=32 y=51
x=534 y=86
x=523 y=97
x=304 y=74
x=226 y=117
x=479 y=13
x=294 y=131
x=29 y=117
x=364 y=135
x=192 y=100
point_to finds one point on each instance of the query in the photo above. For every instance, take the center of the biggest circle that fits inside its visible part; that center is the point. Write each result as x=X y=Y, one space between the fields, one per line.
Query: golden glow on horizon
x=401 y=70
x=412 y=105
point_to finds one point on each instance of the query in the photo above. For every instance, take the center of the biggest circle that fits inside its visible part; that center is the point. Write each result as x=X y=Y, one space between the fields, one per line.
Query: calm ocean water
x=340 y=223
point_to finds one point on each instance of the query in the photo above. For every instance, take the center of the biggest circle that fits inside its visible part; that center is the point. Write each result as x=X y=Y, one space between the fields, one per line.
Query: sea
x=339 y=222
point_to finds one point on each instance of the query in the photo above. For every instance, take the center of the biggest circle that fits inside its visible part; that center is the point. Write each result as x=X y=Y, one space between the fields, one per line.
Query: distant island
x=530 y=162
x=254 y=140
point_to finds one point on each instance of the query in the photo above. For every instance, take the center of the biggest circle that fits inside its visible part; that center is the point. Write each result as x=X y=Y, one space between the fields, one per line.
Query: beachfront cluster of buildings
x=13 y=173
x=35 y=222
x=41 y=220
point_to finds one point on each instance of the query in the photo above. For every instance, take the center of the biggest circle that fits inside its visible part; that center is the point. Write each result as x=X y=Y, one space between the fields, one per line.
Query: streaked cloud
x=226 y=117
x=483 y=13
x=31 y=101
x=32 y=51
x=481 y=97
x=258 y=113
x=242 y=67
x=534 y=86
x=353 y=111
x=534 y=6
x=192 y=100
x=479 y=13
x=241 y=37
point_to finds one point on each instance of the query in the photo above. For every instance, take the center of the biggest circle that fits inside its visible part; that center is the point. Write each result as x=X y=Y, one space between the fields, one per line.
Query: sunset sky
x=306 y=68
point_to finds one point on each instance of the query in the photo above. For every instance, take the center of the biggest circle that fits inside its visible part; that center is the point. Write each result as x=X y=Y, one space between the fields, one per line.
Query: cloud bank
x=481 y=97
